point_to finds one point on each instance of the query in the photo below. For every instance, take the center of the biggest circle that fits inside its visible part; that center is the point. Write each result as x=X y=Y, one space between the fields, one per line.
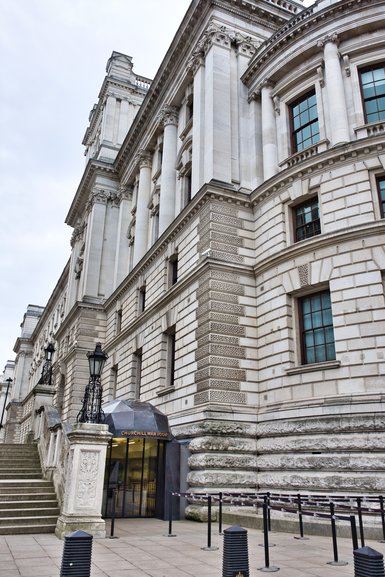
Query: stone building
x=228 y=250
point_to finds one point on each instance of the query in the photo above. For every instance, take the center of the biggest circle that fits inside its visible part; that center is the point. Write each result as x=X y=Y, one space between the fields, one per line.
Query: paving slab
x=143 y=549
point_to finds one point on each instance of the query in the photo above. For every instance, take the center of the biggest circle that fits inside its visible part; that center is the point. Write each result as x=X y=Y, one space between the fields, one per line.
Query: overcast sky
x=53 y=55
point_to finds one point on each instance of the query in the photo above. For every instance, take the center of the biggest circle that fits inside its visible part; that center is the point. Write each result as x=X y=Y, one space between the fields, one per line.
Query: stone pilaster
x=83 y=492
x=97 y=207
x=269 y=132
x=335 y=91
x=169 y=119
x=142 y=212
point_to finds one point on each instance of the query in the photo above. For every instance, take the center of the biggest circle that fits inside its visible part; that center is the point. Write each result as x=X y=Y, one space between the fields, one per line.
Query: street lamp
x=8 y=381
x=91 y=411
x=46 y=374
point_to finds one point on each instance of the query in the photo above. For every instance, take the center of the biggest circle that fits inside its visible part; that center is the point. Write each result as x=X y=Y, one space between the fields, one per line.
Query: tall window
x=137 y=372
x=304 y=122
x=170 y=356
x=317 y=328
x=306 y=220
x=142 y=299
x=173 y=269
x=381 y=194
x=373 y=92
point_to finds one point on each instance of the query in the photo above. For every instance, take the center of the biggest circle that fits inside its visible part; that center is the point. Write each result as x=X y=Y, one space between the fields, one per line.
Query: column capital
x=333 y=38
x=195 y=62
x=244 y=45
x=169 y=115
x=266 y=83
x=125 y=191
x=143 y=158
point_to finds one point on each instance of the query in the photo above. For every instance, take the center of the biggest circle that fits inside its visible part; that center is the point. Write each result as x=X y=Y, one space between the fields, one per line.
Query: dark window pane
x=317 y=328
x=304 y=120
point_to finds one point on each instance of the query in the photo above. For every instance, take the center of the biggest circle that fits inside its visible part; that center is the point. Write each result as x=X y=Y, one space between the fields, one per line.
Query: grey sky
x=53 y=55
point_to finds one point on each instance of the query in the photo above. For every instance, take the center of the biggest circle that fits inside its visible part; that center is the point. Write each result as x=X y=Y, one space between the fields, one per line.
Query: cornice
x=108 y=83
x=318 y=163
x=79 y=202
x=73 y=315
x=302 y=23
x=318 y=242
x=172 y=293
x=176 y=57
x=212 y=191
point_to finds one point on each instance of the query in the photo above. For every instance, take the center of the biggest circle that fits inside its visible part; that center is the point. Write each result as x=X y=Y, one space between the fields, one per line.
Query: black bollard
x=334 y=538
x=77 y=553
x=235 y=552
x=368 y=563
x=301 y=536
x=267 y=567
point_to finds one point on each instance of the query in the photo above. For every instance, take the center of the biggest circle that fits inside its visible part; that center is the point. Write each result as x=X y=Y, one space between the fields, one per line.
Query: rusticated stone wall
x=223 y=458
x=323 y=453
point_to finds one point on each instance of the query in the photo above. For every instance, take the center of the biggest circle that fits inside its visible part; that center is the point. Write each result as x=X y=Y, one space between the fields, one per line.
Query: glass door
x=134 y=469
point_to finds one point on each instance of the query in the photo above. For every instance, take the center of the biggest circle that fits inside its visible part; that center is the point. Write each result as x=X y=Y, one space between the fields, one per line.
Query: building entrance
x=134 y=481
x=135 y=477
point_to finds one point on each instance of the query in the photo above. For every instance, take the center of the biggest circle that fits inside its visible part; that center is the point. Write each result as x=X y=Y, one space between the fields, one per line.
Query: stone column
x=169 y=117
x=97 y=207
x=122 y=246
x=217 y=139
x=339 y=126
x=109 y=119
x=142 y=211
x=269 y=132
x=244 y=112
x=84 y=479
x=197 y=172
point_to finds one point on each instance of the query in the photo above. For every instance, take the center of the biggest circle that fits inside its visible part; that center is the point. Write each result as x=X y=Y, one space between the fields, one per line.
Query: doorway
x=135 y=476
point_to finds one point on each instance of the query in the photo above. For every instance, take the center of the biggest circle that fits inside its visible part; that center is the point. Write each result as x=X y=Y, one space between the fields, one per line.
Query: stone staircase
x=28 y=503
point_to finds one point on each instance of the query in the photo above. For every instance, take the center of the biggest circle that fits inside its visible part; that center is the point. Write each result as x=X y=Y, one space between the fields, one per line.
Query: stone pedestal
x=83 y=491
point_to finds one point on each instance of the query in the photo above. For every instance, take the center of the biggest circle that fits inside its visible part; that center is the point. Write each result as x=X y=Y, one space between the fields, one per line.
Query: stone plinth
x=83 y=491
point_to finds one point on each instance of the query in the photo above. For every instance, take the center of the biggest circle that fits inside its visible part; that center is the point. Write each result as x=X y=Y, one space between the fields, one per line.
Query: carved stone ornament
x=125 y=192
x=77 y=233
x=144 y=158
x=168 y=115
x=303 y=272
x=244 y=44
x=328 y=38
x=276 y=103
x=346 y=65
x=321 y=77
x=87 y=482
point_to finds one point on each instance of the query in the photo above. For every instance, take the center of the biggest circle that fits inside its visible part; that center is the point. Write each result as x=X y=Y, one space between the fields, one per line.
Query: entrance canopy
x=135 y=419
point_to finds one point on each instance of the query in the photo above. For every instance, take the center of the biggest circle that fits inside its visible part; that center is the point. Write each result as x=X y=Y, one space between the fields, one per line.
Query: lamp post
x=8 y=381
x=91 y=411
x=46 y=374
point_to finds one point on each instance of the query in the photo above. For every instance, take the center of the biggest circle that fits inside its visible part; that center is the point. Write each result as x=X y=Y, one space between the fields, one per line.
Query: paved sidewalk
x=143 y=549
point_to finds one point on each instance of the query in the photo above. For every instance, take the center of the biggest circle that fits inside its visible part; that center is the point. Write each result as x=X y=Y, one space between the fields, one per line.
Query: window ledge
x=313 y=367
x=164 y=391
x=371 y=129
x=186 y=129
x=304 y=154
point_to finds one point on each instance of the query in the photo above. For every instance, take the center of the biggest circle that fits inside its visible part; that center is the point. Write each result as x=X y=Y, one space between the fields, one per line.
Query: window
x=306 y=220
x=381 y=194
x=373 y=92
x=118 y=321
x=304 y=122
x=142 y=298
x=171 y=357
x=173 y=269
x=137 y=372
x=316 y=328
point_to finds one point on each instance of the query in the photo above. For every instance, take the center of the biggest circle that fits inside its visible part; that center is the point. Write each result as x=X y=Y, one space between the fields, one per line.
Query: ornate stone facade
x=254 y=228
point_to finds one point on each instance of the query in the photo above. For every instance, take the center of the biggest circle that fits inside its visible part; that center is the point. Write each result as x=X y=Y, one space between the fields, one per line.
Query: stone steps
x=28 y=503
